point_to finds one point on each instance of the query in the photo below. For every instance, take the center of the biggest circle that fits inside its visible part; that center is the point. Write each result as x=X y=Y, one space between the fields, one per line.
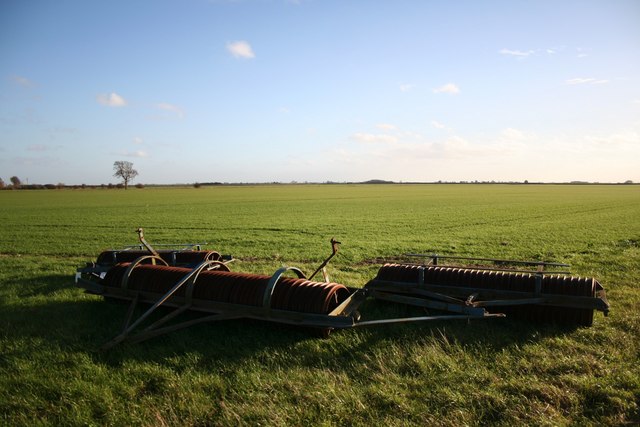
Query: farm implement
x=187 y=278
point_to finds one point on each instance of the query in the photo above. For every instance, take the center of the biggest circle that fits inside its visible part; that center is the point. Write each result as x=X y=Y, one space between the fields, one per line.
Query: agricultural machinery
x=187 y=278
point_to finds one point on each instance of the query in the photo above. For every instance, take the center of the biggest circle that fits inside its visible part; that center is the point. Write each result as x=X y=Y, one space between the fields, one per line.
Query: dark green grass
x=245 y=372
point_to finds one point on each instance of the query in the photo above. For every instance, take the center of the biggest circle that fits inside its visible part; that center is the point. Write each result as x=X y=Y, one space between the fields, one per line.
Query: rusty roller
x=289 y=294
x=504 y=284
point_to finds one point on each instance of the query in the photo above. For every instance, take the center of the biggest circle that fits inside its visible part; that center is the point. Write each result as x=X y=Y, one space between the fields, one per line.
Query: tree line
x=122 y=169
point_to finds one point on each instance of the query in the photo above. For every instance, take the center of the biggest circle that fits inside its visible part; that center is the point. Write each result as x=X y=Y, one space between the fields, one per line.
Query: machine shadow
x=85 y=322
x=230 y=343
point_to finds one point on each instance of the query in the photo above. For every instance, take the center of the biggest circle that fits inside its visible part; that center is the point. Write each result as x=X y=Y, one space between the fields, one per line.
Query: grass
x=245 y=372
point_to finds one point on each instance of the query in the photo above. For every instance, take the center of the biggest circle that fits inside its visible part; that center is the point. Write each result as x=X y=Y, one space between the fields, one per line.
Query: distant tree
x=15 y=181
x=628 y=181
x=124 y=170
x=2 y=184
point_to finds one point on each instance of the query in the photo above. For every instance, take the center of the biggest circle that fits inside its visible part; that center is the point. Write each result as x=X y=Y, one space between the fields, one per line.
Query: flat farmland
x=497 y=371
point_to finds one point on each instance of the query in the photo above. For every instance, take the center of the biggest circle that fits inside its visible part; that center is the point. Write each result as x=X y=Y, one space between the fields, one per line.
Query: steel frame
x=462 y=301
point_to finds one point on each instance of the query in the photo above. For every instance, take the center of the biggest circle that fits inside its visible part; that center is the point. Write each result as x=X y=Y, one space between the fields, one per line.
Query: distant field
x=241 y=372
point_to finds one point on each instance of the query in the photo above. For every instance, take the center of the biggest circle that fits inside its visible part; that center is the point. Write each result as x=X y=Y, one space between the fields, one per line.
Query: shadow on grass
x=84 y=323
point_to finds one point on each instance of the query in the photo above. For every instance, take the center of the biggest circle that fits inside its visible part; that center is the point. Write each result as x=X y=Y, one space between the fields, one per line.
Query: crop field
x=493 y=371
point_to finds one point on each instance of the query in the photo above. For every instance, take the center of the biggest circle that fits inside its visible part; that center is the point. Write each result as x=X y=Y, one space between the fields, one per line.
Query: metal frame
x=462 y=301
x=344 y=316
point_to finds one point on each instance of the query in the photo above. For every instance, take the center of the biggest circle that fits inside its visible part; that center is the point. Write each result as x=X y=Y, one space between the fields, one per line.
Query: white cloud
x=582 y=52
x=374 y=138
x=386 y=126
x=590 y=80
x=449 y=88
x=517 y=53
x=405 y=87
x=614 y=141
x=509 y=154
x=111 y=100
x=137 y=140
x=284 y=110
x=171 y=108
x=22 y=81
x=512 y=134
x=436 y=124
x=240 y=49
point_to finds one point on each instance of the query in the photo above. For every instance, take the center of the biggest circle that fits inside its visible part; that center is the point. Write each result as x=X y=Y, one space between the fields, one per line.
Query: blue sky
x=276 y=90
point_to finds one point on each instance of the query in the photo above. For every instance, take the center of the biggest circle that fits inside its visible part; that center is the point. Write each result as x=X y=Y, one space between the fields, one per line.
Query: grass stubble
x=497 y=372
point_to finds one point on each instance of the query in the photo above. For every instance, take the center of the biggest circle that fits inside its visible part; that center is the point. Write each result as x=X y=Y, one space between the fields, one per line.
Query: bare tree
x=124 y=170
x=15 y=181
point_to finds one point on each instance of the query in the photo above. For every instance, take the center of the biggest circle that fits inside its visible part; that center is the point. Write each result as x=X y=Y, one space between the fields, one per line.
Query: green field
x=498 y=372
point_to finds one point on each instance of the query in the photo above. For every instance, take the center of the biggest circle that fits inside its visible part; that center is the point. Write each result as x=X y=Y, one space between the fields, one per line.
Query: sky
x=320 y=90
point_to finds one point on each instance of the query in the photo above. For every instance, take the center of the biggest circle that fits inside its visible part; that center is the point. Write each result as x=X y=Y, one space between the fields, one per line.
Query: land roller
x=187 y=278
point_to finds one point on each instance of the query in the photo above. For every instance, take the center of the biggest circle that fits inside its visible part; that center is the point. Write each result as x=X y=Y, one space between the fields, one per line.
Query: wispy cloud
x=137 y=140
x=374 y=138
x=170 y=108
x=509 y=154
x=449 y=88
x=406 y=87
x=240 y=49
x=386 y=126
x=436 y=124
x=517 y=53
x=515 y=135
x=581 y=81
x=614 y=140
x=22 y=81
x=582 y=52
x=39 y=148
x=111 y=100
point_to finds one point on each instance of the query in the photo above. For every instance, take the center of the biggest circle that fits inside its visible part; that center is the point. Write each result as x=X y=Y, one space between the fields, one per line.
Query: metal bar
x=167 y=245
x=415 y=290
x=134 y=264
x=505 y=261
x=351 y=304
x=129 y=315
x=144 y=242
x=166 y=318
x=245 y=311
x=334 y=251
x=268 y=291
x=435 y=305
x=143 y=336
x=509 y=270
x=552 y=299
x=160 y=301
x=509 y=302
x=424 y=318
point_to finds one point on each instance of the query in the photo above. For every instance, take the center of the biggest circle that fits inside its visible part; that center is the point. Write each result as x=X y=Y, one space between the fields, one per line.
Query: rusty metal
x=334 y=250
x=170 y=279
x=152 y=251
x=534 y=296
